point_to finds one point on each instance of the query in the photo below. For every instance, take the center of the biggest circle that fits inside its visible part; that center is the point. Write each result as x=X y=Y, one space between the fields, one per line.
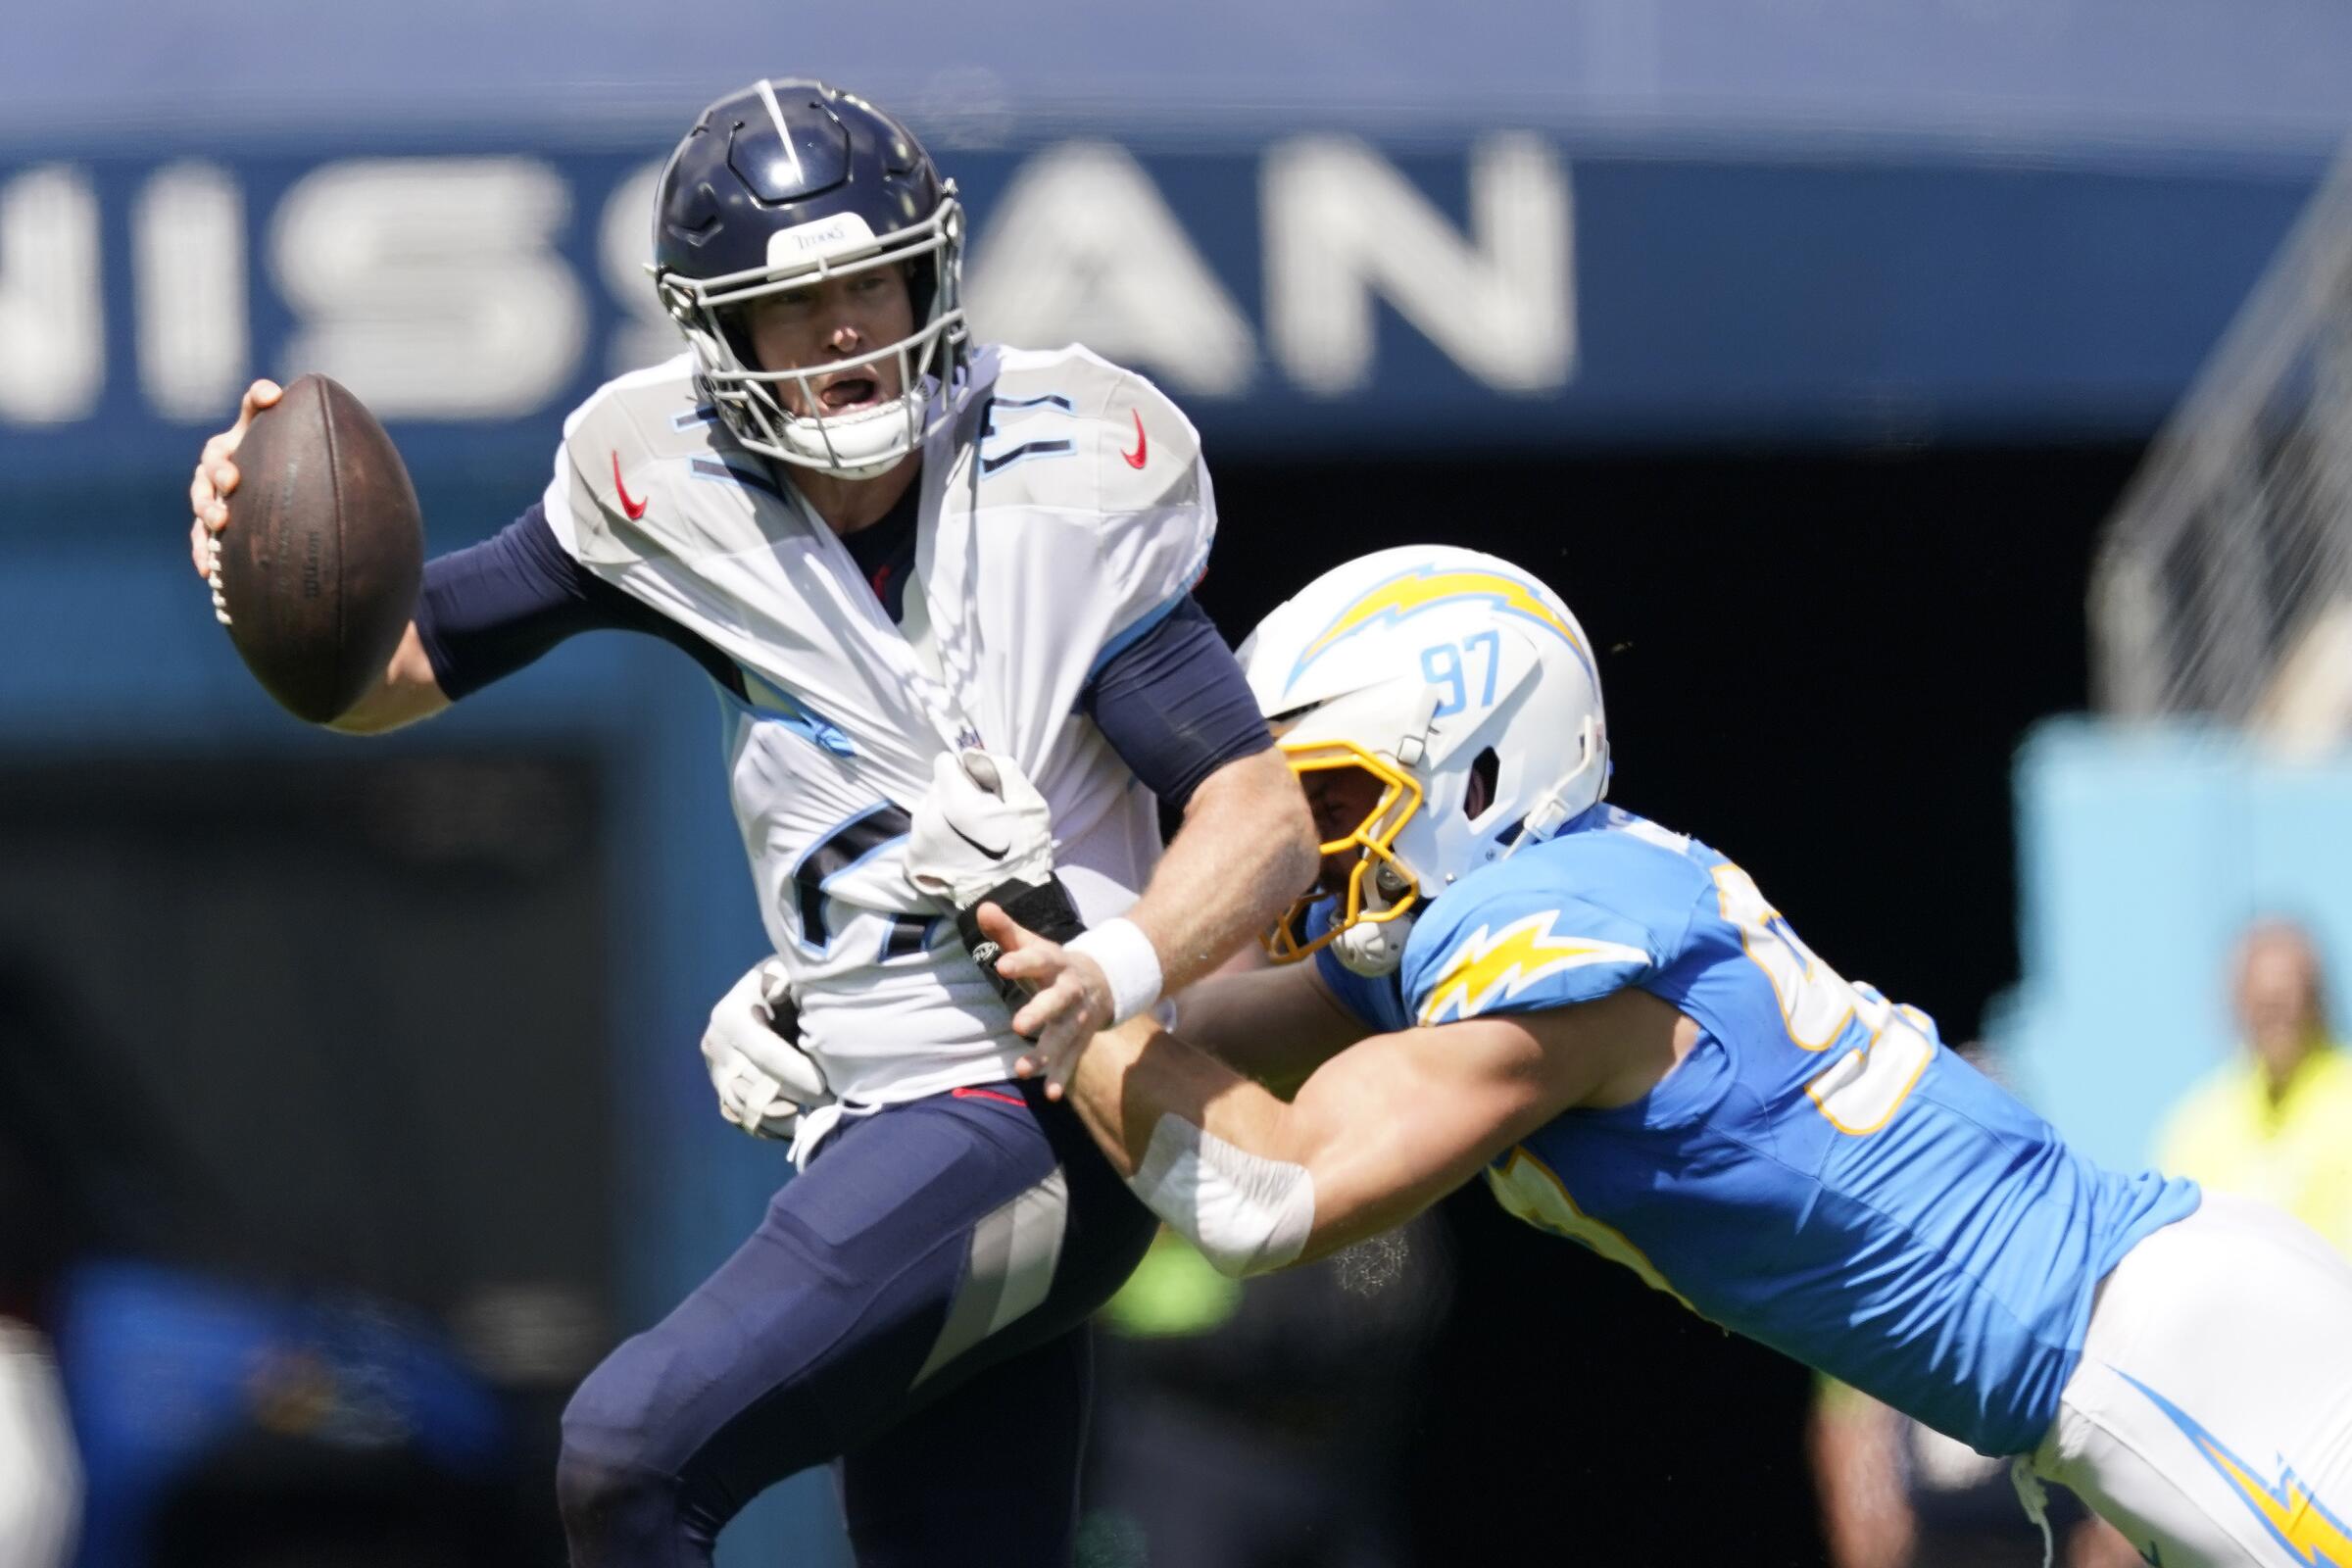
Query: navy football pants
x=913 y=1307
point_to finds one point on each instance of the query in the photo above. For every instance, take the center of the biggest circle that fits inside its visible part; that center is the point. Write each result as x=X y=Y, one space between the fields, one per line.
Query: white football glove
x=980 y=825
x=764 y=1081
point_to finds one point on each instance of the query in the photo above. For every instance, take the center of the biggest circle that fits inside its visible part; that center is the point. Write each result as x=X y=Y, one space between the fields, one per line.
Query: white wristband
x=1128 y=960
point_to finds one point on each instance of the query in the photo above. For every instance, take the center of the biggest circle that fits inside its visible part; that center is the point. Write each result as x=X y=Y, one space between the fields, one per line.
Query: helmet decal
x=1425 y=587
x=1467 y=689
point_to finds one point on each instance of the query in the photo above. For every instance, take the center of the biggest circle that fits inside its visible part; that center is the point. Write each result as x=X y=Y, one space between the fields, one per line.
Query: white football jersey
x=1064 y=511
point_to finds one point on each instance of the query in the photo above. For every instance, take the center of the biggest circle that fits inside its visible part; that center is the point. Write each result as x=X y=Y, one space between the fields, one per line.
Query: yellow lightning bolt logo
x=2287 y=1508
x=1425 y=587
x=1505 y=963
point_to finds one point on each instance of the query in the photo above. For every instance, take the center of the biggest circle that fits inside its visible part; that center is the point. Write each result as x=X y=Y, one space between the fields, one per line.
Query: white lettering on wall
x=1341 y=225
x=187 y=236
x=431 y=285
x=52 y=313
x=1081 y=247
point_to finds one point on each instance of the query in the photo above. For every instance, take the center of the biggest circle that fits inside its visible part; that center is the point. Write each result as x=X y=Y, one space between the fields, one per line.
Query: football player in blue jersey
x=1613 y=1025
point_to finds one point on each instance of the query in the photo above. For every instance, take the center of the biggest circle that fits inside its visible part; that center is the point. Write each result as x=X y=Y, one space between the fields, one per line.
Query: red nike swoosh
x=635 y=509
x=1134 y=459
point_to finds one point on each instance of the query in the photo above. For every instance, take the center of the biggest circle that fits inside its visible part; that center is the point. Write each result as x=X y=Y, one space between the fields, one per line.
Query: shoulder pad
x=1513 y=938
x=1134 y=451
x=635 y=435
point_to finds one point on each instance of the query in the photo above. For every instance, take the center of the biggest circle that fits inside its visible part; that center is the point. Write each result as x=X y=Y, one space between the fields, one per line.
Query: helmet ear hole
x=1485 y=770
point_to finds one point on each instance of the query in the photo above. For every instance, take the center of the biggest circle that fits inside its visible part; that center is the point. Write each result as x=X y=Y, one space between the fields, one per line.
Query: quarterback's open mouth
x=850 y=392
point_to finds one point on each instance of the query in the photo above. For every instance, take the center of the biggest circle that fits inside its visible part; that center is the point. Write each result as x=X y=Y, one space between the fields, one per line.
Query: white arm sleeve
x=1246 y=1213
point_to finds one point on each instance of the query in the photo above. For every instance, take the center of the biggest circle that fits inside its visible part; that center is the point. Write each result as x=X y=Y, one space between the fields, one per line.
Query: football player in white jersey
x=1638 y=1052
x=889 y=548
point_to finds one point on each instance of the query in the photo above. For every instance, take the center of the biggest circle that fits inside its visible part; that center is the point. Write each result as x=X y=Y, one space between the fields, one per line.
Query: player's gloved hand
x=980 y=825
x=216 y=477
x=983 y=834
x=763 y=1079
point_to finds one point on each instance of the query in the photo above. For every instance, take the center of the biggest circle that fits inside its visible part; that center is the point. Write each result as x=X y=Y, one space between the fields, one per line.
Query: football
x=325 y=548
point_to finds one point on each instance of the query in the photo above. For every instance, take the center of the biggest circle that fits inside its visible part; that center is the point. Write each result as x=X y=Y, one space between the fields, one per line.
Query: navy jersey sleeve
x=1175 y=706
x=487 y=611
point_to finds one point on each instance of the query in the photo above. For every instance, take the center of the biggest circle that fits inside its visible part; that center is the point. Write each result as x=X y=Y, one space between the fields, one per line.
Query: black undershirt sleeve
x=487 y=611
x=1175 y=706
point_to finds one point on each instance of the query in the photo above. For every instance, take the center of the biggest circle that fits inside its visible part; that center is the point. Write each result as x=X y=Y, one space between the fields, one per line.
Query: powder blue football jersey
x=1820 y=1173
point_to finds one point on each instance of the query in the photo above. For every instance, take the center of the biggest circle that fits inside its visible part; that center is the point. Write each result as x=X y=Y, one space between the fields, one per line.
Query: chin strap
x=1373 y=948
x=826 y=433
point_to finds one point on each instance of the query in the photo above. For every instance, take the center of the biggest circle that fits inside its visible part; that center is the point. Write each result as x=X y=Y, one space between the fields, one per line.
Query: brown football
x=323 y=551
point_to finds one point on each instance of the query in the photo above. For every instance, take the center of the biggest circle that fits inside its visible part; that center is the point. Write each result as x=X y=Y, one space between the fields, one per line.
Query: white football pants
x=2211 y=1418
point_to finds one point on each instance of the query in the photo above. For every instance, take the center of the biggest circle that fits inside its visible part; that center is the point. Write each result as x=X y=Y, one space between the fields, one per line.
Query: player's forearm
x=407 y=693
x=1274 y=1023
x=1254 y=1183
x=1201 y=1145
x=1244 y=851
x=1376 y=1134
x=1133 y=1075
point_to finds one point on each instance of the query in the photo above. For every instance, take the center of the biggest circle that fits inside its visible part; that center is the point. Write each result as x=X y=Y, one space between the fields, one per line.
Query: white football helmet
x=1427 y=666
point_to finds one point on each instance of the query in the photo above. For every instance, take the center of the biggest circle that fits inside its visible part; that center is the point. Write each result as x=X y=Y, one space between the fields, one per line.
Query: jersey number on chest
x=1863 y=1088
x=841 y=850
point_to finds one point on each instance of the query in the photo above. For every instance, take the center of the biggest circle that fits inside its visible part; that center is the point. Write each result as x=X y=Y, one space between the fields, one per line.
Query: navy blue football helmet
x=778 y=186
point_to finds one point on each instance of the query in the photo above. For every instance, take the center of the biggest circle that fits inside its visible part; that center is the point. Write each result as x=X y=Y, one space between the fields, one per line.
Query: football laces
x=219 y=600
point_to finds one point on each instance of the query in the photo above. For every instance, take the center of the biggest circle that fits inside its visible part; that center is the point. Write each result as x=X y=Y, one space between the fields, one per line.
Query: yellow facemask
x=1399 y=799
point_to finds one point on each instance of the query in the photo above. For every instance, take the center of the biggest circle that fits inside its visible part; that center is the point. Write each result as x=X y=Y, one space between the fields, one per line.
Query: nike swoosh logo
x=993 y=855
x=635 y=509
x=1134 y=459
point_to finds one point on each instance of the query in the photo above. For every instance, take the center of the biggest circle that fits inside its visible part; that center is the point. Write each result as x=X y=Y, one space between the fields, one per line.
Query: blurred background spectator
x=2275 y=1122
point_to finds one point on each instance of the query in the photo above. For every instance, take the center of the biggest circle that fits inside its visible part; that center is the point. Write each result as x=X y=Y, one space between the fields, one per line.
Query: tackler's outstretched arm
x=1374 y=1135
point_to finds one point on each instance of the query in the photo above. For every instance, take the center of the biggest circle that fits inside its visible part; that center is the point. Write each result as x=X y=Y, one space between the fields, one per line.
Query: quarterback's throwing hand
x=763 y=1079
x=1073 y=999
x=217 y=475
